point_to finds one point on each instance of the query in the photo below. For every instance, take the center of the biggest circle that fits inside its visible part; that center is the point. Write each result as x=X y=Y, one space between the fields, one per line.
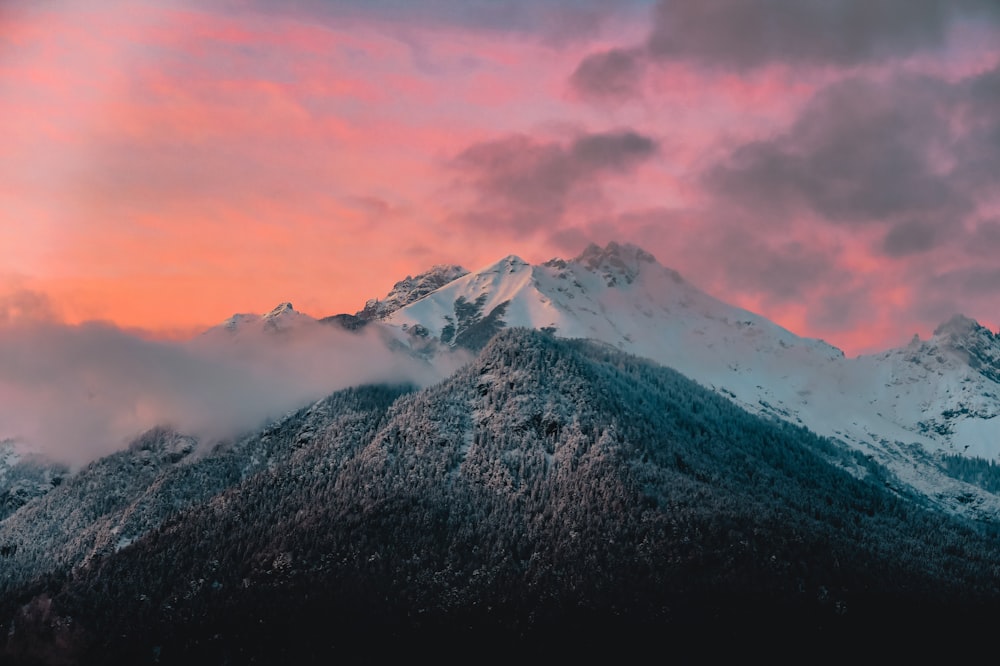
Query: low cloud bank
x=76 y=393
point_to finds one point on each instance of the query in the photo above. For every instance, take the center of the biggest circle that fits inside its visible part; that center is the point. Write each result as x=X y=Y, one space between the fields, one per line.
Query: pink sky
x=165 y=164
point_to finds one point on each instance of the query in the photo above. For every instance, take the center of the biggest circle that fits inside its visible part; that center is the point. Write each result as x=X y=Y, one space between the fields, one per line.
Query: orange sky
x=166 y=164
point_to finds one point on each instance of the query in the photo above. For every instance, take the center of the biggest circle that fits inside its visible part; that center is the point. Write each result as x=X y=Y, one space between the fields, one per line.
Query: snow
x=881 y=405
x=904 y=407
x=282 y=317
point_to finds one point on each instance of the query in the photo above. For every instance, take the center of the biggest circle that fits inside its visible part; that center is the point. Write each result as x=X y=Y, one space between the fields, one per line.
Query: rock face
x=411 y=289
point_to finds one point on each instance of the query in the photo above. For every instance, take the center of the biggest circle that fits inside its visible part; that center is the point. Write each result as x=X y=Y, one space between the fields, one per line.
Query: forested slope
x=552 y=494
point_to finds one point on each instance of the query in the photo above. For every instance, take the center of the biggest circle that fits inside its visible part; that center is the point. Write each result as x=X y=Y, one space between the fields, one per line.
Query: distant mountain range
x=625 y=463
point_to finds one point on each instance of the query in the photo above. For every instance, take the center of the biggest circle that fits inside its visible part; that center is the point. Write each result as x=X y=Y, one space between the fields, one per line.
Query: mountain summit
x=615 y=260
x=907 y=408
x=940 y=396
x=410 y=289
x=282 y=318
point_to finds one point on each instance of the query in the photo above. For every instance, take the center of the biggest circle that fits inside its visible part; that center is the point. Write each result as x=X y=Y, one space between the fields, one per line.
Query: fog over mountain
x=78 y=392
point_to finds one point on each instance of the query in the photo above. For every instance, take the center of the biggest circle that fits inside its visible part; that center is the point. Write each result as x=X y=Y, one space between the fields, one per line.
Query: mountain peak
x=975 y=344
x=595 y=255
x=625 y=259
x=282 y=317
x=279 y=310
x=512 y=262
x=959 y=326
x=411 y=289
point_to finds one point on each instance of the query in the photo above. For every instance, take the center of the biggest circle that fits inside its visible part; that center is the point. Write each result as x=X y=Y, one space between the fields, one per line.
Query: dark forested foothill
x=553 y=495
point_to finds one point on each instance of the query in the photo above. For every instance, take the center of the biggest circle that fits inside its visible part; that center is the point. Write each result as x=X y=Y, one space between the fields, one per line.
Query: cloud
x=983 y=242
x=913 y=237
x=79 y=392
x=978 y=151
x=745 y=34
x=20 y=306
x=862 y=151
x=777 y=269
x=615 y=75
x=555 y=21
x=969 y=290
x=520 y=182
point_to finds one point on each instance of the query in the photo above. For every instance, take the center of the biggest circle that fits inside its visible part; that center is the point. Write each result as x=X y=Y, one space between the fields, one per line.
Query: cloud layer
x=830 y=164
x=78 y=392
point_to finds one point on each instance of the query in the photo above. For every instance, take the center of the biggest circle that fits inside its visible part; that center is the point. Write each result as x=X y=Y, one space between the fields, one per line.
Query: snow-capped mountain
x=940 y=395
x=283 y=317
x=538 y=482
x=410 y=289
x=906 y=408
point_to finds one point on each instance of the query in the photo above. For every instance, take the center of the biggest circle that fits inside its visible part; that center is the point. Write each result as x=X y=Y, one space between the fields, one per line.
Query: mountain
x=411 y=289
x=925 y=411
x=552 y=497
x=284 y=317
x=24 y=477
x=281 y=319
x=404 y=292
x=909 y=409
x=622 y=463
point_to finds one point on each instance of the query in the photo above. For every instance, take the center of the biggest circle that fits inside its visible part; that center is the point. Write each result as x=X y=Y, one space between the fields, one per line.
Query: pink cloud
x=165 y=165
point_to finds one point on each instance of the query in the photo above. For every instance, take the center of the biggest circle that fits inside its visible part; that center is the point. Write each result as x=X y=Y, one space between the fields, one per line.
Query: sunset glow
x=166 y=163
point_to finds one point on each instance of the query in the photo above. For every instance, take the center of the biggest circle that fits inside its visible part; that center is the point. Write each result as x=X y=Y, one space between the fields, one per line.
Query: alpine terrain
x=621 y=463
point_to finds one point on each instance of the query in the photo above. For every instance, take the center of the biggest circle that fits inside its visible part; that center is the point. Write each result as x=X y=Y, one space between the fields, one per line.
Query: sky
x=830 y=164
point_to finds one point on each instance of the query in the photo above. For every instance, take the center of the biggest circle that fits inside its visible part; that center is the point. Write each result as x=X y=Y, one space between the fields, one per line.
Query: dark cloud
x=612 y=75
x=861 y=151
x=520 y=183
x=978 y=153
x=913 y=237
x=741 y=35
x=744 y=34
x=967 y=282
x=609 y=152
x=970 y=290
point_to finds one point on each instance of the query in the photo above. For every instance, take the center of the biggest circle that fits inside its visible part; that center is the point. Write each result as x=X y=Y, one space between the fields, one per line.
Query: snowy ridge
x=282 y=318
x=939 y=396
x=411 y=289
x=905 y=408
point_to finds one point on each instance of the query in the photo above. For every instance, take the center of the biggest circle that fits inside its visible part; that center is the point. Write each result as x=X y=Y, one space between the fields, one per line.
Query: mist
x=76 y=393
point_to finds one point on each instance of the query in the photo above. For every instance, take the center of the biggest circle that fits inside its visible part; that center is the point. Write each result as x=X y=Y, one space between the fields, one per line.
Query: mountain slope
x=24 y=477
x=551 y=494
x=903 y=413
x=925 y=411
x=411 y=289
